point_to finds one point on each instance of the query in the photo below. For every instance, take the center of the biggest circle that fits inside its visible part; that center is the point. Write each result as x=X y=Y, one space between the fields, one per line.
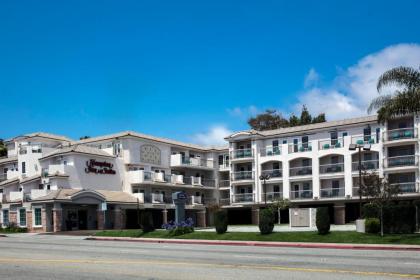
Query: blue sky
x=192 y=70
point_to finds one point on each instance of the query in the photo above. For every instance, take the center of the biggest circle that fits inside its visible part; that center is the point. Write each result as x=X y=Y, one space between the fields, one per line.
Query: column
x=57 y=219
x=201 y=218
x=29 y=220
x=118 y=218
x=339 y=214
x=316 y=182
x=164 y=216
x=12 y=217
x=101 y=219
x=255 y=215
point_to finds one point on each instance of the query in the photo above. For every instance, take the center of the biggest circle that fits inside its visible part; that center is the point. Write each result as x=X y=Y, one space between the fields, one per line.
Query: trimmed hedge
x=266 y=223
x=221 y=221
x=323 y=220
x=372 y=225
x=146 y=219
x=397 y=218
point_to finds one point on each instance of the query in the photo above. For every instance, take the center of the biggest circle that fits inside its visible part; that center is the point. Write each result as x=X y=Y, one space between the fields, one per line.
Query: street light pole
x=263 y=178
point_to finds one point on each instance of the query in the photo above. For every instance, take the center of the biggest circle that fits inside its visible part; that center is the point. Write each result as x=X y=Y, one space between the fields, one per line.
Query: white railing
x=54 y=169
x=366 y=165
x=243 y=197
x=242 y=175
x=270 y=151
x=196 y=199
x=301 y=194
x=300 y=147
x=327 y=144
x=180 y=160
x=139 y=196
x=157 y=198
x=331 y=192
x=401 y=161
x=14 y=196
x=331 y=168
x=39 y=193
x=400 y=134
x=300 y=171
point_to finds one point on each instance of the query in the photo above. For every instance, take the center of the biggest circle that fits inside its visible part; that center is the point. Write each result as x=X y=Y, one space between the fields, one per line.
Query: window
x=345 y=134
x=366 y=134
x=220 y=159
x=276 y=188
x=306 y=162
x=37 y=217
x=23 y=167
x=378 y=134
x=275 y=143
x=276 y=165
x=48 y=187
x=305 y=140
x=284 y=141
x=334 y=159
x=295 y=145
x=334 y=137
x=22 y=217
x=5 y=217
x=5 y=171
x=40 y=187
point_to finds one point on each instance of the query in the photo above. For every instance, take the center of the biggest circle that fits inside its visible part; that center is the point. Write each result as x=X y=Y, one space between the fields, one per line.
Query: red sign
x=99 y=167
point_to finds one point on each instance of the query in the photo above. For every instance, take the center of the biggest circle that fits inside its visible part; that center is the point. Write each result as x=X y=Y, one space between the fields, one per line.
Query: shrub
x=370 y=210
x=373 y=225
x=176 y=229
x=221 y=221
x=146 y=219
x=323 y=220
x=266 y=223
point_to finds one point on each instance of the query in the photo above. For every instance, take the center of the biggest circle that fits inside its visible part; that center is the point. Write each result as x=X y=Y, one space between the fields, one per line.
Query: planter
x=360 y=225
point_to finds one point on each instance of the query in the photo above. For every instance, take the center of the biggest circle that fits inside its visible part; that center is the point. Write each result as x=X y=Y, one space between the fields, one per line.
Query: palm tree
x=405 y=100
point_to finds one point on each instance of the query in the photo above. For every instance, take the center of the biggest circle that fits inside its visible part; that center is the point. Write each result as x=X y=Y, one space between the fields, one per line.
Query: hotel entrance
x=81 y=217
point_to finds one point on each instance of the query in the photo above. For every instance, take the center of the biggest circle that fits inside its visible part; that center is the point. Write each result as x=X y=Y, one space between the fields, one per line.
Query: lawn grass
x=333 y=237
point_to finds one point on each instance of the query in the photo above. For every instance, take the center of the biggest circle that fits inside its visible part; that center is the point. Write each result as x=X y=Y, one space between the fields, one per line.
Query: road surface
x=70 y=257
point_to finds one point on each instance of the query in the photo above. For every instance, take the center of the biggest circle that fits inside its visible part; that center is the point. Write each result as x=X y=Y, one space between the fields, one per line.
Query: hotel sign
x=99 y=167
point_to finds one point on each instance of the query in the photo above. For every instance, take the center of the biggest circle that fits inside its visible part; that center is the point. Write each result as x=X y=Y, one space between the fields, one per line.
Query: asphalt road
x=71 y=257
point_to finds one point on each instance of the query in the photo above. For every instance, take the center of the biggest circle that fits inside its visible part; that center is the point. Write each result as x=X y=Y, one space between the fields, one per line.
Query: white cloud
x=311 y=79
x=351 y=91
x=213 y=137
x=243 y=112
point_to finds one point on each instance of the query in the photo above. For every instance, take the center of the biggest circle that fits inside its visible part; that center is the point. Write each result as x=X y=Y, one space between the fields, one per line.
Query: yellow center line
x=176 y=263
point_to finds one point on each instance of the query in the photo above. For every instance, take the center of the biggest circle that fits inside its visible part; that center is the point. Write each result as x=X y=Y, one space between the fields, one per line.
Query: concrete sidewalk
x=264 y=243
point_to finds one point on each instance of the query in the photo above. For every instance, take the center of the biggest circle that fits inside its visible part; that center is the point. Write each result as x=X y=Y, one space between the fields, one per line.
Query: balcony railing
x=242 y=175
x=270 y=151
x=15 y=196
x=400 y=134
x=300 y=171
x=366 y=165
x=224 y=183
x=363 y=139
x=224 y=201
x=157 y=198
x=331 y=168
x=409 y=187
x=139 y=196
x=180 y=160
x=271 y=196
x=195 y=199
x=332 y=192
x=328 y=144
x=39 y=193
x=241 y=153
x=273 y=173
x=300 y=147
x=140 y=176
x=401 y=161
x=243 y=197
x=301 y=194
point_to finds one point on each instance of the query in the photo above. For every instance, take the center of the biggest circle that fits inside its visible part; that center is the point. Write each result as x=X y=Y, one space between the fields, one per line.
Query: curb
x=345 y=246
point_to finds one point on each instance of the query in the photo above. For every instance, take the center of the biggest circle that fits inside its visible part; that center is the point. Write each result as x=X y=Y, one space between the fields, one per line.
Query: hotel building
x=52 y=183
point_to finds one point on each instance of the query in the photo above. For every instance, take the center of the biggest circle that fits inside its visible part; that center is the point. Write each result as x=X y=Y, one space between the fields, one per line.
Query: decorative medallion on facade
x=150 y=154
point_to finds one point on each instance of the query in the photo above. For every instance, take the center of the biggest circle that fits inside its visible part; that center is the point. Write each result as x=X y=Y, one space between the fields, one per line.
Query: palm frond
x=407 y=77
x=379 y=102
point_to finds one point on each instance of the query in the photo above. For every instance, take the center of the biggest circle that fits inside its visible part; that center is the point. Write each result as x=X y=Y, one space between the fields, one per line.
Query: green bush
x=370 y=211
x=146 y=219
x=221 y=221
x=323 y=220
x=13 y=228
x=372 y=225
x=266 y=223
x=180 y=231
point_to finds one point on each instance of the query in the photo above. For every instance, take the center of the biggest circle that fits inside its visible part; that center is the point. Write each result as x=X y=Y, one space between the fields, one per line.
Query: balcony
x=139 y=196
x=408 y=187
x=332 y=192
x=179 y=160
x=363 y=139
x=301 y=194
x=300 y=171
x=329 y=144
x=365 y=165
x=401 y=161
x=55 y=169
x=300 y=147
x=195 y=199
x=39 y=193
x=243 y=198
x=242 y=175
x=331 y=168
x=400 y=134
x=141 y=176
x=224 y=183
x=271 y=196
x=157 y=198
x=270 y=151
x=224 y=201
x=16 y=196
x=241 y=154
x=273 y=173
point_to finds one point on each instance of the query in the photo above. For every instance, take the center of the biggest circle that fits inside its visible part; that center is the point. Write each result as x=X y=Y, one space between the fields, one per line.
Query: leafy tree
x=280 y=204
x=271 y=119
x=266 y=223
x=84 y=137
x=323 y=220
x=3 y=149
x=221 y=221
x=404 y=100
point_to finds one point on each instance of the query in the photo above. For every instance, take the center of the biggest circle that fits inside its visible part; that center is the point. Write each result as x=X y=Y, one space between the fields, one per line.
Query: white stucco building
x=52 y=183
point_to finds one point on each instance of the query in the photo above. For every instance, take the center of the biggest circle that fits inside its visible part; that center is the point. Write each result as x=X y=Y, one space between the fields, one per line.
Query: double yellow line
x=212 y=265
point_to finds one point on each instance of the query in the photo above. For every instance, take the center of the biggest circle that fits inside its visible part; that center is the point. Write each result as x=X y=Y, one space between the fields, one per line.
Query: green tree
x=319 y=119
x=305 y=117
x=278 y=205
x=84 y=137
x=293 y=120
x=404 y=100
x=270 y=119
x=3 y=149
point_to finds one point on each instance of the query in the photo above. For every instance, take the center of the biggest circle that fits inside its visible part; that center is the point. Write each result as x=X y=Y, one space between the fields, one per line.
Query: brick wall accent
x=339 y=214
x=57 y=219
x=13 y=217
x=100 y=217
x=29 y=221
x=201 y=218
x=165 y=216
x=118 y=219
x=255 y=216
